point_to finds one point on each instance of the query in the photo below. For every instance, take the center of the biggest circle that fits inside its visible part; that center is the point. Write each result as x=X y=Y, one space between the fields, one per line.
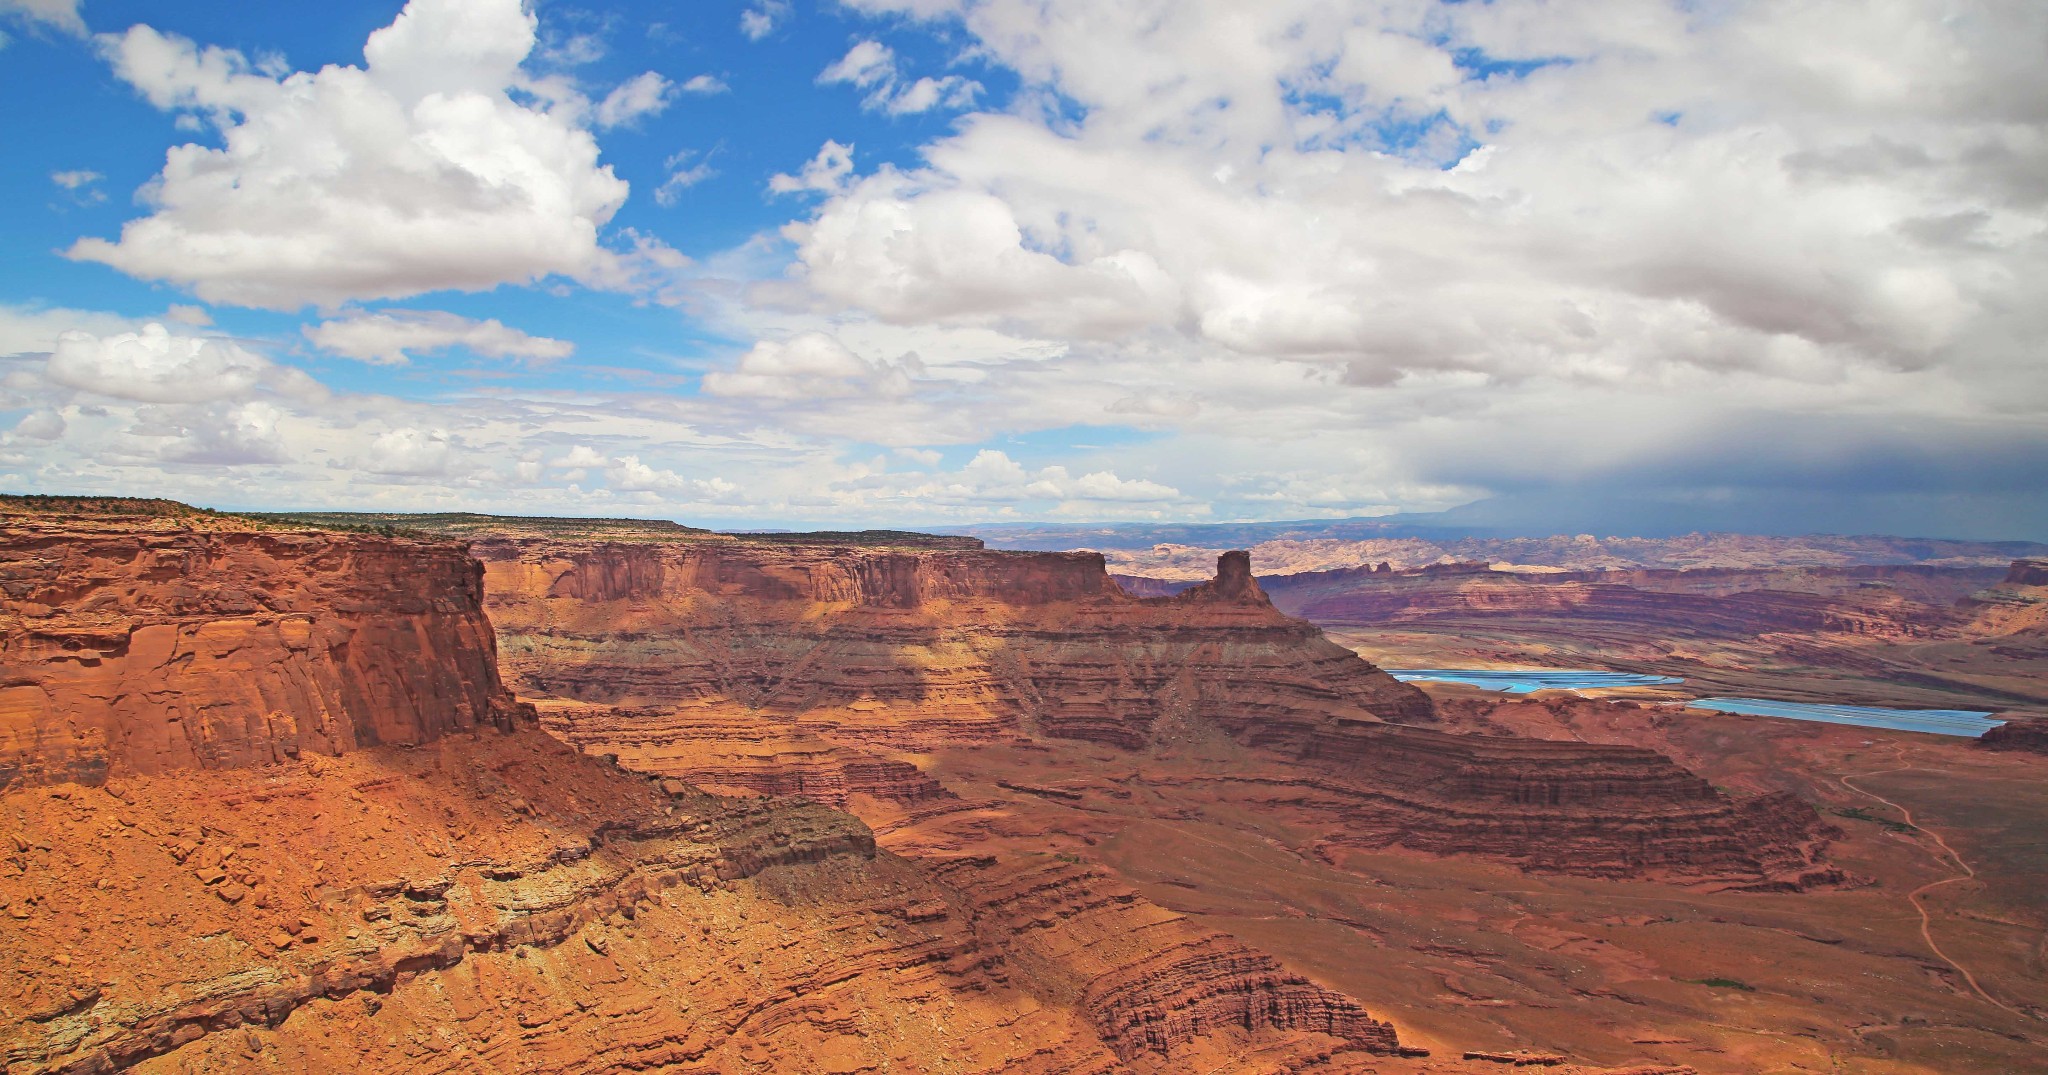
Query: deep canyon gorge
x=496 y=795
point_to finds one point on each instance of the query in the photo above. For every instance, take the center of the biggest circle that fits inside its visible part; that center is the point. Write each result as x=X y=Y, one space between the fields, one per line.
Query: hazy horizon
x=1636 y=266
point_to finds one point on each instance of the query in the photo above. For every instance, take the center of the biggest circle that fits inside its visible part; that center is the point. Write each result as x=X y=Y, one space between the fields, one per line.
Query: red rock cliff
x=424 y=899
x=933 y=645
x=132 y=649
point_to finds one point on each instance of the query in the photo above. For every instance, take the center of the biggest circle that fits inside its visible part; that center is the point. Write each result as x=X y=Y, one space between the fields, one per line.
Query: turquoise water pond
x=1966 y=722
x=1528 y=680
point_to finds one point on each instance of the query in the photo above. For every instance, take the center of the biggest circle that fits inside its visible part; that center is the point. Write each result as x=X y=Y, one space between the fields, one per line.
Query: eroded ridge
x=1594 y=810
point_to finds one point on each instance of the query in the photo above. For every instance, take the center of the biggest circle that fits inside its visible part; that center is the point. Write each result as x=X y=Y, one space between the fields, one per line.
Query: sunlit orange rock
x=132 y=650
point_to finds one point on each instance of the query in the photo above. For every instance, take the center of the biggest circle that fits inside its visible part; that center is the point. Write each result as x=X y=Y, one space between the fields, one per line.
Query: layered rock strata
x=2026 y=734
x=1149 y=980
x=1560 y=806
x=502 y=904
x=400 y=892
x=911 y=649
x=2016 y=606
x=832 y=671
x=128 y=648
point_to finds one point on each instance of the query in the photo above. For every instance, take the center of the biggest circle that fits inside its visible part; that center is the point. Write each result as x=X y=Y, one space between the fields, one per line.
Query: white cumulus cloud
x=645 y=94
x=416 y=172
x=409 y=452
x=871 y=66
x=761 y=19
x=812 y=366
x=154 y=366
x=62 y=14
x=993 y=476
x=630 y=475
x=825 y=173
x=391 y=337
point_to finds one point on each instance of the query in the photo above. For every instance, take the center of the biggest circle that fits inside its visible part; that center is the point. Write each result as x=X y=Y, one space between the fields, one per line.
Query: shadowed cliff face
x=136 y=650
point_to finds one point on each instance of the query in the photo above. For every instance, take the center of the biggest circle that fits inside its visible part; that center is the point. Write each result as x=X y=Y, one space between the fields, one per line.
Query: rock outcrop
x=1559 y=806
x=2025 y=734
x=1151 y=982
x=131 y=648
x=2016 y=606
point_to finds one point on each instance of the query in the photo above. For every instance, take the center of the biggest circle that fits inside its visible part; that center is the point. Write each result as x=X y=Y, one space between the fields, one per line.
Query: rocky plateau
x=841 y=803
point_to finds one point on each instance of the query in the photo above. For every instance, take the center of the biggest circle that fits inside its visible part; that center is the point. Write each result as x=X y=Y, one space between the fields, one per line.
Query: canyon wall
x=249 y=828
x=127 y=647
x=914 y=648
x=2018 y=733
x=836 y=672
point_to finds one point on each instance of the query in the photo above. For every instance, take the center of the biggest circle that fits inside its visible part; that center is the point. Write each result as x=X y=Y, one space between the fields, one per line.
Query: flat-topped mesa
x=2017 y=605
x=133 y=648
x=916 y=648
x=476 y=892
x=1878 y=602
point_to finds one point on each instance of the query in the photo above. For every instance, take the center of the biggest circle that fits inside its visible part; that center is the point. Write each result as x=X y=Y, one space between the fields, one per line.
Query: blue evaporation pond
x=1969 y=722
x=1529 y=680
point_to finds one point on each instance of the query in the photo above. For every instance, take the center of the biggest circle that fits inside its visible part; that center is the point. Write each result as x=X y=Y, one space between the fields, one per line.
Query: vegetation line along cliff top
x=429 y=525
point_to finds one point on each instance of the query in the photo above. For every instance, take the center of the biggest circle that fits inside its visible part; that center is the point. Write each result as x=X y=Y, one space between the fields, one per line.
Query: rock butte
x=269 y=807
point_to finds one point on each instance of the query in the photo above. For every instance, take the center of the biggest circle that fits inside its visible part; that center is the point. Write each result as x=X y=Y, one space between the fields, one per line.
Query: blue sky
x=911 y=262
x=765 y=121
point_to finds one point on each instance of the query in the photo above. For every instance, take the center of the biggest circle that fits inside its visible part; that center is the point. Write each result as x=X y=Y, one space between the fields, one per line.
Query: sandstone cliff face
x=910 y=648
x=831 y=671
x=2017 y=605
x=499 y=903
x=357 y=881
x=130 y=649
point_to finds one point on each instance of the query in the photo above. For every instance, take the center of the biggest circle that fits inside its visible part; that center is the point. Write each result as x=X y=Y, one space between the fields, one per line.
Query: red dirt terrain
x=983 y=812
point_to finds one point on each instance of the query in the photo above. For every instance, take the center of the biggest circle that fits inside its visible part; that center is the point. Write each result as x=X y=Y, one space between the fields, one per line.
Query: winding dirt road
x=1914 y=897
